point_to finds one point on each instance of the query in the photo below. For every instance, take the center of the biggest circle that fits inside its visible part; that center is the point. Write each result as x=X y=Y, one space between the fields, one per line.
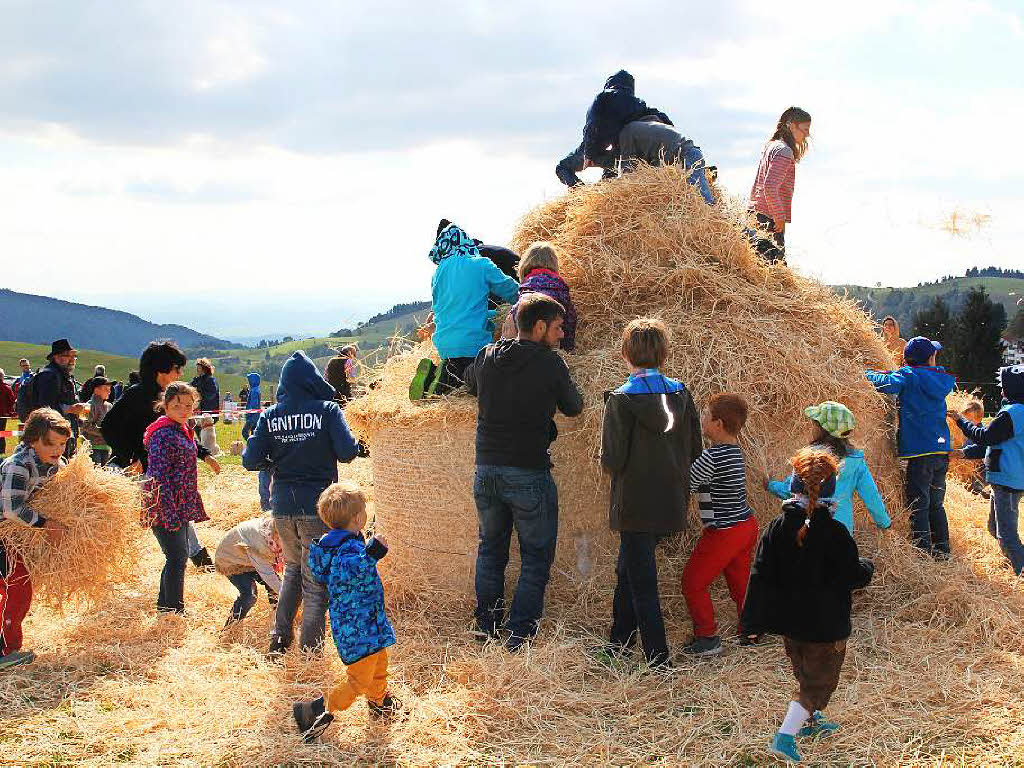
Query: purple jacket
x=551 y=284
x=173 y=476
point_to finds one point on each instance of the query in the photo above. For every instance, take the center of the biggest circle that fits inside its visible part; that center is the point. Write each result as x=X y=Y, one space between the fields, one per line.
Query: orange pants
x=367 y=677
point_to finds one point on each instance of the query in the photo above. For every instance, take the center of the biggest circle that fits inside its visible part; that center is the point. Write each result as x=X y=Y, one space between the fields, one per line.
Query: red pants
x=725 y=550
x=15 y=599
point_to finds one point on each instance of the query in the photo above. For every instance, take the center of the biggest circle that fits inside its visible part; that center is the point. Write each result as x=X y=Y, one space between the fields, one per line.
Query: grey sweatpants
x=299 y=586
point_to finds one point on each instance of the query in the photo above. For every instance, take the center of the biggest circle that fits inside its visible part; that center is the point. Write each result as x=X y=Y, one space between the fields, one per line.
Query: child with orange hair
x=804 y=571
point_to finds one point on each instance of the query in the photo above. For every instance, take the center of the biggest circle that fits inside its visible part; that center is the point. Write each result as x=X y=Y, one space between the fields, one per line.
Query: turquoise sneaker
x=818 y=725
x=784 y=746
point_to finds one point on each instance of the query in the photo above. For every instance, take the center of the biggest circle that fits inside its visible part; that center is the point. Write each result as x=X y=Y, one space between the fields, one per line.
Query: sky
x=252 y=167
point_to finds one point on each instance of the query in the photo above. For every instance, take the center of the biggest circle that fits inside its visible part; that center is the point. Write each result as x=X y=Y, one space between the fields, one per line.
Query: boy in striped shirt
x=726 y=545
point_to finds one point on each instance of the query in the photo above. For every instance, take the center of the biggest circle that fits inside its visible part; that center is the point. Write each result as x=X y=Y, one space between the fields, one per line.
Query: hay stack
x=100 y=509
x=646 y=244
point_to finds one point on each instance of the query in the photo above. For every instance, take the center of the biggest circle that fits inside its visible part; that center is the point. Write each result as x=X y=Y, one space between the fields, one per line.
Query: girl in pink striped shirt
x=771 y=197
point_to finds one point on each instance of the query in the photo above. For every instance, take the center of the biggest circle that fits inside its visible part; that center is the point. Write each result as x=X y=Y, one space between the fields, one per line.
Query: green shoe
x=818 y=725
x=418 y=386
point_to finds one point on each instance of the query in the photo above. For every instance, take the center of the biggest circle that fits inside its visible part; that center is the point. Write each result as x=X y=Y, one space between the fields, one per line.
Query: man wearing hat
x=922 y=439
x=56 y=388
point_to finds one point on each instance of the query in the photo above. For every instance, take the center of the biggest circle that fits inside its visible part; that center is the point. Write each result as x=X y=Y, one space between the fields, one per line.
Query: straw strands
x=100 y=509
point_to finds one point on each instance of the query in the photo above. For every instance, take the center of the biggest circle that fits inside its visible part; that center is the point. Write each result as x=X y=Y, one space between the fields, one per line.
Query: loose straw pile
x=100 y=509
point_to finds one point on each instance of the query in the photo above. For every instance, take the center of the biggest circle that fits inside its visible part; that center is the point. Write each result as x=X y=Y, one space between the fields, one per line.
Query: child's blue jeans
x=1004 y=508
x=926 y=494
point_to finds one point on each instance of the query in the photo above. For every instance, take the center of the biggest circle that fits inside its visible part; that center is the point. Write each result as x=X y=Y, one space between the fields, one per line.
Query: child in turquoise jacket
x=833 y=423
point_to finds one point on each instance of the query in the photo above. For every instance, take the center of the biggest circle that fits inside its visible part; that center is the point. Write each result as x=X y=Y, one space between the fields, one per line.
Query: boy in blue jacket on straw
x=923 y=439
x=347 y=565
x=300 y=440
x=1004 y=463
x=833 y=424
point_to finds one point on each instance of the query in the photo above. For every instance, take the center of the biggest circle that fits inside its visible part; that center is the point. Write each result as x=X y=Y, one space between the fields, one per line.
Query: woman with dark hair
x=125 y=424
x=771 y=197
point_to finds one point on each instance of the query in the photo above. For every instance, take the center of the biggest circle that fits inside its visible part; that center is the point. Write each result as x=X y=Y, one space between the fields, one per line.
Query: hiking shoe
x=311 y=718
x=784 y=746
x=390 y=706
x=516 y=643
x=418 y=385
x=818 y=725
x=16 y=659
x=748 y=640
x=704 y=646
x=278 y=648
x=203 y=561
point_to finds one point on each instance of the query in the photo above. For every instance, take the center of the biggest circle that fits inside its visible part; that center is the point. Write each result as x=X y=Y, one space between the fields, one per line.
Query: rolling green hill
x=117 y=366
x=901 y=303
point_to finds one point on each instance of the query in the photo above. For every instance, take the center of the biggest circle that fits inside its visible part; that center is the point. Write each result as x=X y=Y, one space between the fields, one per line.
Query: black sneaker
x=748 y=640
x=516 y=643
x=311 y=718
x=203 y=561
x=278 y=648
x=704 y=646
x=389 y=707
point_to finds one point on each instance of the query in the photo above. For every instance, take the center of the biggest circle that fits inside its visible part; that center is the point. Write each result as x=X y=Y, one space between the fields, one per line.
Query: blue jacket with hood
x=1003 y=437
x=611 y=109
x=254 y=396
x=300 y=440
x=854 y=477
x=459 y=291
x=921 y=392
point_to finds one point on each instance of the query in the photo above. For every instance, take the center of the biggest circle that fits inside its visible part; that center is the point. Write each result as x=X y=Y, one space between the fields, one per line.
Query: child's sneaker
x=818 y=725
x=704 y=646
x=311 y=718
x=784 y=746
x=390 y=706
x=749 y=640
x=203 y=561
x=16 y=658
x=278 y=647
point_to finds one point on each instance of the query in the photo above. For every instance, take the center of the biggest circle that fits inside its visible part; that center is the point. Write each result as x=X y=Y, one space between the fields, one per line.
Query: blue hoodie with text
x=300 y=440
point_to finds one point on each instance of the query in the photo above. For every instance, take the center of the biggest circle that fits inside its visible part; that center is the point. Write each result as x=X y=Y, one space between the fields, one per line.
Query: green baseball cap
x=834 y=418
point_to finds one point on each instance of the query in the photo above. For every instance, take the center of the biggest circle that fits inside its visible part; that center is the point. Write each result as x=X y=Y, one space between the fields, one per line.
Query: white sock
x=794 y=720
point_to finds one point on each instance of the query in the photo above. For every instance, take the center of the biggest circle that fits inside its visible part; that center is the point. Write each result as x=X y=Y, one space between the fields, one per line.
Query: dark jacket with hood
x=651 y=436
x=252 y=397
x=209 y=392
x=519 y=385
x=301 y=439
x=56 y=388
x=803 y=592
x=612 y=108
x=125 y=424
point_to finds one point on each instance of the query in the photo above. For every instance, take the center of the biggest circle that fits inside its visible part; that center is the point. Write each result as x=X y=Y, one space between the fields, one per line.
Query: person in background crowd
x=252 y=404
x=209 y=401
x=891 y=337
x=7 y=411
x=26 y=374
x=55 y=387
x=771 y=197
x=339 y=372
x=98 y=409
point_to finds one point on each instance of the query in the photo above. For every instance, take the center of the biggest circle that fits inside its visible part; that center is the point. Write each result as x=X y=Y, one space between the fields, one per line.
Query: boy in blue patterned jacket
x=347 y=565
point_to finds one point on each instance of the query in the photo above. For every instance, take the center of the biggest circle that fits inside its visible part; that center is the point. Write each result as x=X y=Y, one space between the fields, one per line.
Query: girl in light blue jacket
x=833 y=423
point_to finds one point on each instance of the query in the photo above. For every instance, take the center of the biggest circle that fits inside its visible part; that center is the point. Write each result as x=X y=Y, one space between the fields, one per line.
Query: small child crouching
x=34 y=461
x=726 y=545
x=806 y=566
x=347 y=565
x=250 y=553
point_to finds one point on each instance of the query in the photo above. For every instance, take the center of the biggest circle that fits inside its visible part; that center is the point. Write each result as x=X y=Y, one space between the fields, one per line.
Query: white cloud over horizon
x=295 y=160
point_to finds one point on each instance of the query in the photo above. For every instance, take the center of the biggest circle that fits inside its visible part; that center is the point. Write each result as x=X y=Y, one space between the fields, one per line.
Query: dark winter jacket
x=337 y=378
x=921 y=392
x=343 y=562
x=612 y=108
x=125 y=424
x=803 y=592
x=301 y=439
x=252 y=397
x=551 y=284
x=57 y=389
x=209 y=392
x=650 y=438
x=520 y=385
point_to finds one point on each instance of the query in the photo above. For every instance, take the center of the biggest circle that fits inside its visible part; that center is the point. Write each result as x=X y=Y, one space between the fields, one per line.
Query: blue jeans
x=527 y=500
x=246 y=583
x=266 y=480
x=1004 y=508
x=692 y=156
x=636 y=607
x=926 y=492
x=174 y=545
x=298 y=585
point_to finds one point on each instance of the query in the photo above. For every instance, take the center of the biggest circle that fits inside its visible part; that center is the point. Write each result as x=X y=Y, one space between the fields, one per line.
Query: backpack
x=26 y=399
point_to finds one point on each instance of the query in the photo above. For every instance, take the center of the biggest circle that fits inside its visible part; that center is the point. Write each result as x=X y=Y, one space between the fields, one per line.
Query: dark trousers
x=174 y=545
x=526 y=500
x=636 y=607
x=452 y=373
x=1004 y=509
x=245 y=583
x=771 y=248
x=926 y=492
x=249 y=427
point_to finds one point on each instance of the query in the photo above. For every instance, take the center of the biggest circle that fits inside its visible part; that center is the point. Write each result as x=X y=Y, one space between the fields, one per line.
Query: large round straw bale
x=646 y=244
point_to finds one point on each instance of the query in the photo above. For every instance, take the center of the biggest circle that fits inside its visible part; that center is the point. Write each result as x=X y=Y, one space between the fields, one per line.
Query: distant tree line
x=395 y=312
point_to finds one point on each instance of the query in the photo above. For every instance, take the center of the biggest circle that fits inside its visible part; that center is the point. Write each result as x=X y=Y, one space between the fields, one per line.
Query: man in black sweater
x=55 y=387
x=519 y=383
